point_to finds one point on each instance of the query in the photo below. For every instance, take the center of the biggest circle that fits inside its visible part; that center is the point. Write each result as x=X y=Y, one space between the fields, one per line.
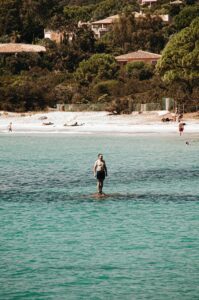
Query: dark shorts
x=100 y=175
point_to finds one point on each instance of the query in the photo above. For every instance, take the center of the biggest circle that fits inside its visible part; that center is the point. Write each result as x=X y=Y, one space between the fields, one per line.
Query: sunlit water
x=58 y=241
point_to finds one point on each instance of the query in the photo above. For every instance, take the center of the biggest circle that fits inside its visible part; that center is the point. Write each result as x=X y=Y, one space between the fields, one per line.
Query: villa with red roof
x=146 y=57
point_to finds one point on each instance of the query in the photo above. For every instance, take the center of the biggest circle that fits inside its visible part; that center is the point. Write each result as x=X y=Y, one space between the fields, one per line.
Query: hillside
x=81 y=67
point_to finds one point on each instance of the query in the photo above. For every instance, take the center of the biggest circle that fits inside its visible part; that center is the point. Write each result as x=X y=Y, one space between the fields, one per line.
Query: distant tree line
x=84 y=70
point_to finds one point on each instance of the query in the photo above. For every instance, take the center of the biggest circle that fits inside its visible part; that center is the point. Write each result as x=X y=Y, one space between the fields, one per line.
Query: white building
x=101 y=27
x=57 y=35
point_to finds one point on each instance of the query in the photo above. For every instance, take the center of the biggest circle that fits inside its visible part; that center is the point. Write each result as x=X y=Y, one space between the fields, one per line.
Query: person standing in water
x=100 y=171
x=181 y=127
x=10 y=127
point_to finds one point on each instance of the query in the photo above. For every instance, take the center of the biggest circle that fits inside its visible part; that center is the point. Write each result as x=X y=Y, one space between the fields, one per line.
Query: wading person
x=181 y=127
x=100 y=171
x=10 y=127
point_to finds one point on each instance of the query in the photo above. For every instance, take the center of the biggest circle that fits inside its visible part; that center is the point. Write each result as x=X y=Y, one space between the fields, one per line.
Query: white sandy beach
x=93 y=122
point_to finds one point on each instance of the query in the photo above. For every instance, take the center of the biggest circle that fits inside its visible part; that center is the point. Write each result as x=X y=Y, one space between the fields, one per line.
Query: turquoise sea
x=57 y=241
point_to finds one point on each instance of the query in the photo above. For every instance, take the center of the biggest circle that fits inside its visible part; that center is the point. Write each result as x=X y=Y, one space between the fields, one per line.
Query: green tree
x=108 y=87
x=111 y=7
x=122 y=31
x=83 y=40
x=97 y=67
x=32 y=26
x=139 y=70
x=24 y=20
x=186 y=16
x=31 y=91
x=130 y=34
x=180 y=58
x=9 y=16
x=15 y=64
x=78 y=13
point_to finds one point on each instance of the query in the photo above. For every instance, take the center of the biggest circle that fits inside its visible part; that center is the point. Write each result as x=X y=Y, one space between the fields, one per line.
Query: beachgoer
x=181 y=127
x=47 y=123
x=100 y=171
x=10 y=127
x=74 y=124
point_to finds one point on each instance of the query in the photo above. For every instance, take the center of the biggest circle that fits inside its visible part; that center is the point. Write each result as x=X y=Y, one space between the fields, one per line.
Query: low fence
x=82 y=107
x=103 y=106
x=193 y=108
x=184 y=108
x=145 y=107
x=131 y=106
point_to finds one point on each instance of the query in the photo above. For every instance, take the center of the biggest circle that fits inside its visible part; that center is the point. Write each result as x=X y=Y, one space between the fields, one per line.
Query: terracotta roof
x=138 y=55
x=108 y=20
x=14 y=48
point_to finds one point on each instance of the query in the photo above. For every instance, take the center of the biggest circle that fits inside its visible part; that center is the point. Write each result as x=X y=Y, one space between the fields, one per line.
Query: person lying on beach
x=47 y=123
x=43 y=118
x=74 y=124
x=100 y=171
x=166 y=119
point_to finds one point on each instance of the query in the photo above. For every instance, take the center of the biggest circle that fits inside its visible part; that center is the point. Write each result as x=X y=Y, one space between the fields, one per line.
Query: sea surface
x=59 y=241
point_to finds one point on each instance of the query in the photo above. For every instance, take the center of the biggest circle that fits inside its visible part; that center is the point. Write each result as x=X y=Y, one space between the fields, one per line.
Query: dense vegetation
x=84 y=70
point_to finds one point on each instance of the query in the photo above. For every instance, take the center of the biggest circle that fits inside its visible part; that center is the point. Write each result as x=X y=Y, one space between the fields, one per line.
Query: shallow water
x=58 y=241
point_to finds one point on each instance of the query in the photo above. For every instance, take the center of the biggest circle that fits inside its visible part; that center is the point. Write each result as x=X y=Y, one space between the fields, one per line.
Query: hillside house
x=101 y=27
x=57 y=36
x=53 y=35
x=144 y=56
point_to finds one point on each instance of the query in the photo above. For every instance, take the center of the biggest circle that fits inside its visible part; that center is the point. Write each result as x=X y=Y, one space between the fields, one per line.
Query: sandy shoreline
x=93 y=122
